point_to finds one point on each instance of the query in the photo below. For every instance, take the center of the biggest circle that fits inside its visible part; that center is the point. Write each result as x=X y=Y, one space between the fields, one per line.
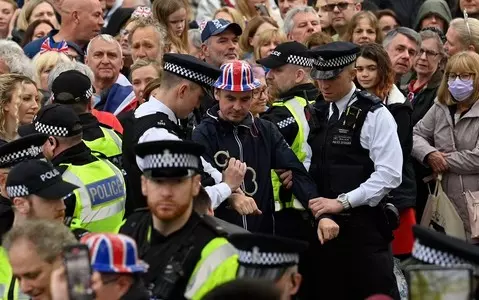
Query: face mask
x=460 y=90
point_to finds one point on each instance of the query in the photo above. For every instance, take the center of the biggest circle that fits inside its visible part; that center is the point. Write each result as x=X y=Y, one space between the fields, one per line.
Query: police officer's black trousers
x=358 y=263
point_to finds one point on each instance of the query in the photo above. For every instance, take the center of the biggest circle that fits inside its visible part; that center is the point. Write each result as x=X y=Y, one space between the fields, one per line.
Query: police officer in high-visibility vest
x=290 y=83
x=36 y=190
x=99 y=203
x=74 y=89
x=187 y=253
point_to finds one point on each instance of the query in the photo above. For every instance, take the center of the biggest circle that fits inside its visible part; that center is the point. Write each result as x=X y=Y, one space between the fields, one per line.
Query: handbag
x=472 y=201
x=441 y=215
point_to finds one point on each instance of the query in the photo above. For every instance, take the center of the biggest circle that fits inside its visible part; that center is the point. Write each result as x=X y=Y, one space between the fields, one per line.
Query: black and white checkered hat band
x=436 y=257
x=50 y=129
x=17 y=191
x=337 y=62
x=30 y=152
x=169 y=160
x=300 y=61
x=189 y=74
x=268 y=259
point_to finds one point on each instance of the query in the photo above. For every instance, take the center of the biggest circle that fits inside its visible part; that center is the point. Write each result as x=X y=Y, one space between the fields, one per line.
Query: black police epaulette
x=376 y=101
x=215 y=226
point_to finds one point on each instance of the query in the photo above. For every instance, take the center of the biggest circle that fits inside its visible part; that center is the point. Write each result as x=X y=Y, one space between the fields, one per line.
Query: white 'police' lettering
x=49 y=175
x=106 y=190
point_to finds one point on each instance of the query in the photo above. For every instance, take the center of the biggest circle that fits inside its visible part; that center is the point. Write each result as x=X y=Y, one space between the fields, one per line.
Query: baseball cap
x=288 y=53
x=237 y=76
x=217 y=26
x=72 y=87
x=37 y=177
x=54 y=120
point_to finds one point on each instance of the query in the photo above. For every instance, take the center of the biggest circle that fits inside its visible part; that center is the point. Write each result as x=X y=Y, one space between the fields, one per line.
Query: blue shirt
x=32 y=48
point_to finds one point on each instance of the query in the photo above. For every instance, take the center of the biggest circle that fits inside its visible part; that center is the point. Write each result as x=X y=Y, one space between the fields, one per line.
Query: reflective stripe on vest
x=100 y=200
x=300 y=147
x=218 y=264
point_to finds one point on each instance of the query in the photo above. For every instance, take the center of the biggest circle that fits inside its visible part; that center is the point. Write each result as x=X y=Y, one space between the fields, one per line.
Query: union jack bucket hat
x=113 y=253
x=237 y=76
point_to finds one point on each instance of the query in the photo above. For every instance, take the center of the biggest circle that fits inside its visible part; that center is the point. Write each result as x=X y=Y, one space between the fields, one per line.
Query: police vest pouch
x=392 y=215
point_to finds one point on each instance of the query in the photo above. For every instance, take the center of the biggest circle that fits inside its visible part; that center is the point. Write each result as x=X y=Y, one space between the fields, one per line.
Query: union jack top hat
x=113 y=253
x=237 y=76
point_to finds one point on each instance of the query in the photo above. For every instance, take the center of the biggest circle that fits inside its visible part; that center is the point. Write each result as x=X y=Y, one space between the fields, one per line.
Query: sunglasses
x=341 y=6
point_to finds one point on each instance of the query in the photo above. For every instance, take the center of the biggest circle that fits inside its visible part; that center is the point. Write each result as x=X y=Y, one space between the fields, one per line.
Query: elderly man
x=81 y=21
x=340 y=13
x=287 y=5
x=300 y=23
x=402 y=44
x=13 y=60
x=356 y=162
x=146 y=40
x=113 y=90
x=462 y=35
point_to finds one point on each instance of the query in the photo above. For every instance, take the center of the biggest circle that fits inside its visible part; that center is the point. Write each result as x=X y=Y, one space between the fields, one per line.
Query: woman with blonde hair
x=230 y=14
x=44 y=63
x=36 y=10
x=15 y=111
x=363 y=28
x=267 y=41
x=173 y=15
x=253 y=29
x=446 y=138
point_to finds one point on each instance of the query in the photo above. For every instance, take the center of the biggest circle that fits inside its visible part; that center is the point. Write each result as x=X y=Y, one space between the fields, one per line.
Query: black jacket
x=423 y=100
x=261 y=146
x=6 y=215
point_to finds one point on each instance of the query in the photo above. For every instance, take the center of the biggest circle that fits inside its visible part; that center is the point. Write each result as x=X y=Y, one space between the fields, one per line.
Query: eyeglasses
x=462 y=77
x=257 y=92
x=429 y=53
x=466 y=20
x=341 y=6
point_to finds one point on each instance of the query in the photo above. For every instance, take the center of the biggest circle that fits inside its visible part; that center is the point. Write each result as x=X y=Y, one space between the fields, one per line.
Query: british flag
x=113 y=253
x=237 y=76
x=48 y=45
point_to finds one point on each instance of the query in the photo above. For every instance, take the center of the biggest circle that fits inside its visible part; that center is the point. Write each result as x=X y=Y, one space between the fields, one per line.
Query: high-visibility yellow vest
x=9 y=289
x=109 y=146
x=100 y=200
x=218 y=264
x=300 y=147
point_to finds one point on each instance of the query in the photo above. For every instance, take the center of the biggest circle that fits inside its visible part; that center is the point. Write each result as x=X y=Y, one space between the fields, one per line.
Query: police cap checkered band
x=191 y=68
x=189 y=74
x=50 y=129
x=300 y=61
x=20 y=155
x=17 y=191
x=267 y=259
x=335 y=63
x=288 y=53
x=171 y=160
x=436 y=257
x=335 y=55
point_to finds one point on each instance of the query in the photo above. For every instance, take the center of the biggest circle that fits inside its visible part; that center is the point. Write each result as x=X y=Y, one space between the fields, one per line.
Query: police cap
x=191 y=68
x=25 y=148
x=71 y=87
x=54 y=120
x=439 y=249
x=261 y=251
x=330 y=60
x=37 y=177
x=170 y=158
x=288 y=53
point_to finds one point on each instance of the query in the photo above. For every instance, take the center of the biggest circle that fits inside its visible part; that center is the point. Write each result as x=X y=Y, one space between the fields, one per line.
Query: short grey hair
x=195 y=37
x=16 y=61
x=288 y=23
x=104 y=37
x=149 y=22
x=407 y=32
x=429 y=34
x=48 y=237
x=67 y=66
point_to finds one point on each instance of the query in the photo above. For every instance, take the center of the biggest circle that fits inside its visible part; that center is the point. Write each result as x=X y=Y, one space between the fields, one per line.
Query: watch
x=343 y=199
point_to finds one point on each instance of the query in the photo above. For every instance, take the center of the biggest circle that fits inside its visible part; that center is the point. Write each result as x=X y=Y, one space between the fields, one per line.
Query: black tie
x=335 y=116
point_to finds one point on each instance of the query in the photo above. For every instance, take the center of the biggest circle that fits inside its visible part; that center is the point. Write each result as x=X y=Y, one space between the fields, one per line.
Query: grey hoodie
x=437 y=7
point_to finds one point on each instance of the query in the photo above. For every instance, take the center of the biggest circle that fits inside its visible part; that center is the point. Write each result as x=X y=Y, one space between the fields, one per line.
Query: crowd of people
x=225 y=149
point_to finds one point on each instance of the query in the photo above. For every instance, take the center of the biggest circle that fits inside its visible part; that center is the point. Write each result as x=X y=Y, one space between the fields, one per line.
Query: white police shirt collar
x=343 y=102
x=153 y=106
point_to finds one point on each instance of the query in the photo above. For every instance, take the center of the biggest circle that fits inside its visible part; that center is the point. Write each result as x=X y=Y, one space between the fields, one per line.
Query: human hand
x=321 y=206
x=59 y=284
x=244 y=205
x=233 y=176
x=327 y=230
x=437 y=161
x=286 y=178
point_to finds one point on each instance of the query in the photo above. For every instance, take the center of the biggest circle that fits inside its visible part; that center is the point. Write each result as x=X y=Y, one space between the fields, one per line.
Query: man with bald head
x=81 y=21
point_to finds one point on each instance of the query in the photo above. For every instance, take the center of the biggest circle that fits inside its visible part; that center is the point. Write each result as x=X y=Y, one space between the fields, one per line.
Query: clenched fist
x=234 y=174
x=327 y=230
x=244 y=205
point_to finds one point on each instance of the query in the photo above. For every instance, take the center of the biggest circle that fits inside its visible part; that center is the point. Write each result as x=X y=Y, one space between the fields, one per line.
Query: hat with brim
x=271 y=62
x=325 y=75
x=57 y=190
x=211 y=30
x=331 y=59
x=237 y=76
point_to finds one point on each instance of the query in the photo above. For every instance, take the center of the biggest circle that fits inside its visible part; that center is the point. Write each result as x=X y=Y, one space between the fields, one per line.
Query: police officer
x=356 y=161
x=180 y=246
x=99 y=203
x=271 y=258
x=36 y=190
x=74 y=89
x=184 y=81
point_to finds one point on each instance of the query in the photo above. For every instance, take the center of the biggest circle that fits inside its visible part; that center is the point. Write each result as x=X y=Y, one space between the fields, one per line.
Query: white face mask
x=461 y=89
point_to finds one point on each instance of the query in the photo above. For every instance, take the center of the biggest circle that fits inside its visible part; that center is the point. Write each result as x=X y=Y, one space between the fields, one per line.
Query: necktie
x=335 y=116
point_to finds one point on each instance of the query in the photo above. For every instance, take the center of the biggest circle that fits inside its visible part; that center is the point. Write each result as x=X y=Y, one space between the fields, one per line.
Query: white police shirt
x=219 y=192
x=379 y=136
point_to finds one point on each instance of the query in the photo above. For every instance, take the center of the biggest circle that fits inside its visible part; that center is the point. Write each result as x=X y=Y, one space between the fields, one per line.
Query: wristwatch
x=343 y=199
